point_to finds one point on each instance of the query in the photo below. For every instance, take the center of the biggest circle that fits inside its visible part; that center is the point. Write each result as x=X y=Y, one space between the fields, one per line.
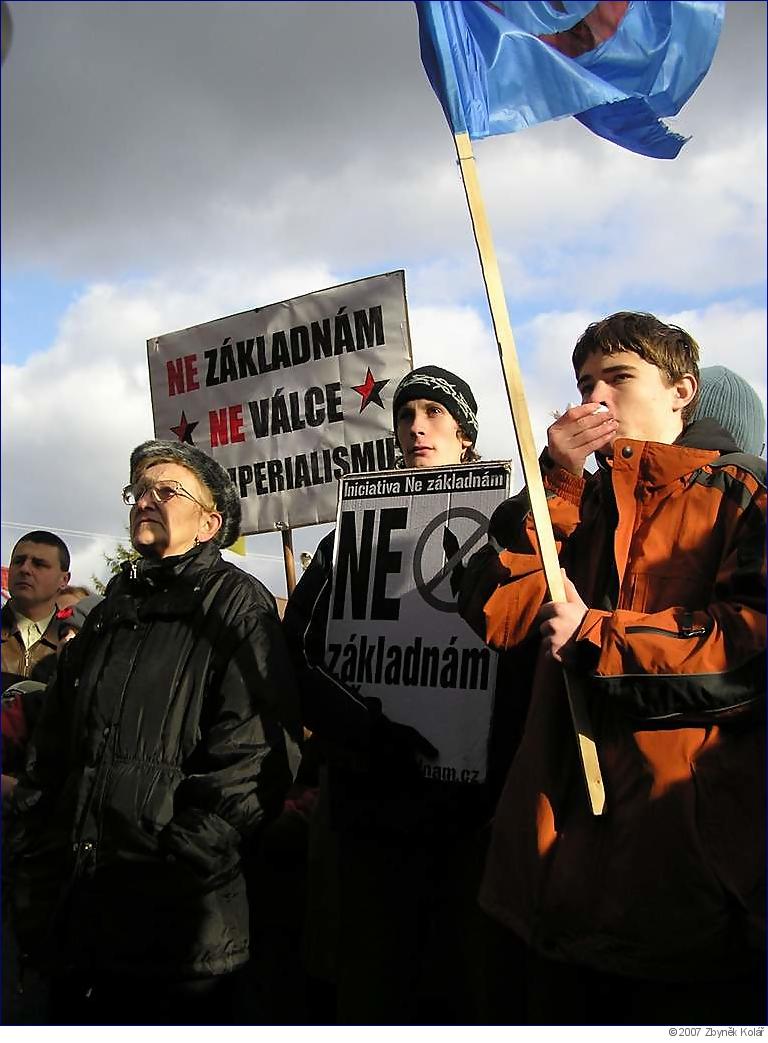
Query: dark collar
x=159 y=573
x=165 y=588
x=707 y=434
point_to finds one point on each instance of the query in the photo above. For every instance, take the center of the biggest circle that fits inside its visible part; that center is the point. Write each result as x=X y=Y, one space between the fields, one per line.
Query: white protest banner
x=394 y=630
x=289 y=397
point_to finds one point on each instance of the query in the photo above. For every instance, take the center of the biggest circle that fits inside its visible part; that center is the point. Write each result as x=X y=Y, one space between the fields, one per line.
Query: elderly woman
x=160 y=750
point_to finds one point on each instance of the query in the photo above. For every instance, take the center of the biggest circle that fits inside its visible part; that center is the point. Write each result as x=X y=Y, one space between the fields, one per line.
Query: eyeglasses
x=161 y=492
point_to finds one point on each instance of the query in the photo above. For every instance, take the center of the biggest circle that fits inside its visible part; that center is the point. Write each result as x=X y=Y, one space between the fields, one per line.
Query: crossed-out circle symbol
x=425 y=587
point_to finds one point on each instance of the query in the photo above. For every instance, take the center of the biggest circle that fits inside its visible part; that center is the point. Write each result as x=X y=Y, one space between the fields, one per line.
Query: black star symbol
x=370 y=391
x=184 y=430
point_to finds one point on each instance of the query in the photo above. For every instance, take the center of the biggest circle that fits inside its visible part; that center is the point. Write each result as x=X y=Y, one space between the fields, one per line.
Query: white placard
x=394 y=631
x=289 y=397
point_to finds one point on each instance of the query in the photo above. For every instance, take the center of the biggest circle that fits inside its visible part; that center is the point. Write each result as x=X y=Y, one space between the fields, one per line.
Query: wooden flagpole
x=528 y=456
x=289 y=560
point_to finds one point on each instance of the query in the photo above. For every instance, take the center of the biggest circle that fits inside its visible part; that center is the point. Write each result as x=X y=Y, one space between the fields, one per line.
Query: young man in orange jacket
x=653 y=912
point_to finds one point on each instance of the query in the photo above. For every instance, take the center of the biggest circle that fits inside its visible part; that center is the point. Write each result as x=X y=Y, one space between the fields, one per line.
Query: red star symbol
x=370 y=391
x=184 y=430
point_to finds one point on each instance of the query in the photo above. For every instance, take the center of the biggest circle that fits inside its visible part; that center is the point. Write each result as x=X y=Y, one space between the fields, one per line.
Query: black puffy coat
x=160 y=749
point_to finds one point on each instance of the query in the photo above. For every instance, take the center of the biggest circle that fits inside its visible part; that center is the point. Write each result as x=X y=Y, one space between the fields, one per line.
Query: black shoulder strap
x=754 y=465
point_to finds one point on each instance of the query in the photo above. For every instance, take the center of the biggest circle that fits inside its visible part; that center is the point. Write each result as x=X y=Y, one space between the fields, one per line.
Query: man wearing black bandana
x=401 y=851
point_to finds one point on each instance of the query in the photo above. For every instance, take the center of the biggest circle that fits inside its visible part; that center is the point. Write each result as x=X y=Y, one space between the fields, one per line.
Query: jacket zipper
x=685 y=633
x=105 y=766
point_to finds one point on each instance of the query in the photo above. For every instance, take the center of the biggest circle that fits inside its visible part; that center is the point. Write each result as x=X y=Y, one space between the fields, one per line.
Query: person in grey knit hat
x=72 y=617
x=729 y=399
x=208 y=471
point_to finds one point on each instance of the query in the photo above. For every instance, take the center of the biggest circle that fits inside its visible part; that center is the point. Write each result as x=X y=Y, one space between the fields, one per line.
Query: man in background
x=38 y=572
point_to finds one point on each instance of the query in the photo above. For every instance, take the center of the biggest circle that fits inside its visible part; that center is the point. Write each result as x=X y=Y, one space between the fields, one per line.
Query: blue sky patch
x=32 y=306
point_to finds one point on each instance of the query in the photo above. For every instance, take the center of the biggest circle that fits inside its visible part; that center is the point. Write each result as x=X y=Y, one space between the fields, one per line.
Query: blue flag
x=617 y=67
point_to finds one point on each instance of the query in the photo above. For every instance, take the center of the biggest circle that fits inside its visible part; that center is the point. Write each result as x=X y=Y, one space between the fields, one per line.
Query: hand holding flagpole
x=513 y=379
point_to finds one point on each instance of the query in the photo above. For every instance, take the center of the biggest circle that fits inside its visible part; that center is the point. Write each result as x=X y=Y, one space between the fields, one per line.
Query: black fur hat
x=207 y=470
x=439 y=385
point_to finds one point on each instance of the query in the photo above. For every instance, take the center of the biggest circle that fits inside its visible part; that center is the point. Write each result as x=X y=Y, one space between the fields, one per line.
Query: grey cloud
x=131 y=120
x=138 y=135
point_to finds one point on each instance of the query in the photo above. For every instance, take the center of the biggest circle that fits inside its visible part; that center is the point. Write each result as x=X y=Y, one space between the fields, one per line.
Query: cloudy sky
x=164 y=164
